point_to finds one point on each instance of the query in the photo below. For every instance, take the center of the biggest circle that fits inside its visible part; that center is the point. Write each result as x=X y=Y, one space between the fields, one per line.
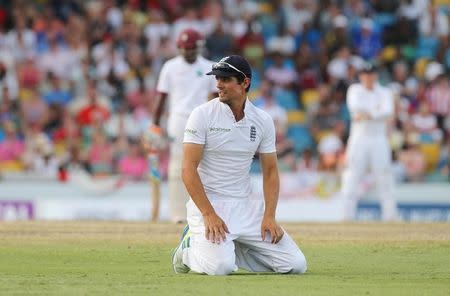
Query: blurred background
x=77 y=89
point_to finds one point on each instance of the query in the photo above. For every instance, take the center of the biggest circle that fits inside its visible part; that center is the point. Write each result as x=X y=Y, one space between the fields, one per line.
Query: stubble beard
x=224 y=99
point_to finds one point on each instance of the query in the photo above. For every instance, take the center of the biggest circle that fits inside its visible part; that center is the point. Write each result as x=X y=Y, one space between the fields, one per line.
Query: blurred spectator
x=141 y=98
x=433 y=22
x=68 y=134
x=37 y=146
x=8 y=108
x=11 y=147
x=285 y=151
x=156 y=29
x=298 y=13
x=8 y=78
x=308 y=72
x=267 y=102
x=251 y=44
x=44 y=162
x=413 y=161
x=190 y=19
x=338 y=66
x=20 y=40
x=307 y=162
x=58 y=59
x=327 y=119
x=100 y=154
x=122 y=122
x=285 y=147
x=424 y=125
x=438 y=96
x=219 y=44
x=28 y=74
x=134 y=163
x=139 y=75
x=34 y=110
x=367 y=41
x=112 y=69
x=55 y=92
x=93 y=111
x=282 y=43
x=331 y=153
x=280 y=72
x=400 y=72
x=55 y=118
x=337 y=37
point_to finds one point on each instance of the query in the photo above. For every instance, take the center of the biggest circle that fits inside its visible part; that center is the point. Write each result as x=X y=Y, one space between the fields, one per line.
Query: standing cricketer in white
x=228 y=227
x=183 y=82
x=371 y=107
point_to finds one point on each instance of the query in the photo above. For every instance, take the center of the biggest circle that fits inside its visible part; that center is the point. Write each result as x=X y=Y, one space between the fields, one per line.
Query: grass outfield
x=114 y=258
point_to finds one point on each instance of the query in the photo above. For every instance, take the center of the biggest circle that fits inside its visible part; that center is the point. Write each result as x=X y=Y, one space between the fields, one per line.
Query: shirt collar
x=231 y=115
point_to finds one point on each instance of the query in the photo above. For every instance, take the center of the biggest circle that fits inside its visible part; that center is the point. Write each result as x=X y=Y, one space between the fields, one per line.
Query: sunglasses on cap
x=225 y=65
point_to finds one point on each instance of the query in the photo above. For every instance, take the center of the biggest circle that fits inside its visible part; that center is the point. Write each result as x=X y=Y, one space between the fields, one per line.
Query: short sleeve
x=163 y=85
x=267 y=144
x=195 y=131
x=354 y=100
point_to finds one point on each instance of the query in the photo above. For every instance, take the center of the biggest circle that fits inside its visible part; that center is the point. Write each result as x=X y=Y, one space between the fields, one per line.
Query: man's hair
x=240 y=79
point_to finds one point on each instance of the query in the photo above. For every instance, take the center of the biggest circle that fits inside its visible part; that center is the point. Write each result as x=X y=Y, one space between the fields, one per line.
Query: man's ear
x=246 y=82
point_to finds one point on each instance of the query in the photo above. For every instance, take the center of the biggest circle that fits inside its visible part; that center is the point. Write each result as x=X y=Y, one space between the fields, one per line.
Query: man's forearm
x=381 y=115
x=159 y=108
x=196 y=190
x=271 y=190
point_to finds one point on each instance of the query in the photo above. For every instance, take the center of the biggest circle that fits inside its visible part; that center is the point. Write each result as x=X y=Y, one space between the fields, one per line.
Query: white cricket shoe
x=177 y=255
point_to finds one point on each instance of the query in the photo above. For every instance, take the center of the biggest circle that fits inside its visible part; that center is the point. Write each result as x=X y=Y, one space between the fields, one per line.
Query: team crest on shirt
x=252 y=133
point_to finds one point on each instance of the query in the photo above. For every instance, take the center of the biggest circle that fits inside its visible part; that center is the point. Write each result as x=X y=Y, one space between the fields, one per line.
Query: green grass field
x=101 y=258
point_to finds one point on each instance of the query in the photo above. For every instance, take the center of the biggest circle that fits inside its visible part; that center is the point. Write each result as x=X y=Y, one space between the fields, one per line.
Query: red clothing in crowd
x=91 y=113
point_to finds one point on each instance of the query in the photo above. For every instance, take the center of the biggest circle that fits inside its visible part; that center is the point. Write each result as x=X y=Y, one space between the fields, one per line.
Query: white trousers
x=178 y=195
x=243 y=247
x=372 y=154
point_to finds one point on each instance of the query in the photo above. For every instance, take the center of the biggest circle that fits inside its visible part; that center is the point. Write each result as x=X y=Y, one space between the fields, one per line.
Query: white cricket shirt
x=186 y=84
x=378 y=102
x=229 y=146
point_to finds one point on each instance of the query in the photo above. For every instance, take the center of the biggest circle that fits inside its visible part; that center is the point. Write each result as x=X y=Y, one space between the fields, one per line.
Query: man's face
x=189 y=54
x=230 y=89
x=368 y=79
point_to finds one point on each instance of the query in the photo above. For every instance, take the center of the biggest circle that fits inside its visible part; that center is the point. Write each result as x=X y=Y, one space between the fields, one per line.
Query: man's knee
x=299 y=264
x=296 y=264
x=221 y=267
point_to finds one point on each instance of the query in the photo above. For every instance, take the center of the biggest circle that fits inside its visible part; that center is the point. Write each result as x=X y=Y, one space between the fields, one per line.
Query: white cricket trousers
x=178 y=195
x=243 y=247
x=364 y=154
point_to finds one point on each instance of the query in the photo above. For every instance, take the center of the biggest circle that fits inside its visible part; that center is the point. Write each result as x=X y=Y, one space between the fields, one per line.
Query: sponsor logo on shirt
x=219 y=129
x=190 y=131
x=252 y=133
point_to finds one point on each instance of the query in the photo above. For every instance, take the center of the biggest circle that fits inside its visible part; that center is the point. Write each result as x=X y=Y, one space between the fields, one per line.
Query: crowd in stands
x=77 y=78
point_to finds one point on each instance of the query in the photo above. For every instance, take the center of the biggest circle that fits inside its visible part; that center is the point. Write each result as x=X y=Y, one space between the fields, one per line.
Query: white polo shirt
x=229 y=146
x=186 y=84
x=378 y=102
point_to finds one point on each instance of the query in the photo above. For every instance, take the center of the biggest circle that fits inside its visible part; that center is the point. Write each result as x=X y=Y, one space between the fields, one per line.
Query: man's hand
x=153 y=138
x=270 y=225
x=360 y=116
x=215 y=228
x=154 y=133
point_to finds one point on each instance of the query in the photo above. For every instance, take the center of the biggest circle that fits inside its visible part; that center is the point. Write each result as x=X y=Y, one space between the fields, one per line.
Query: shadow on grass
x=249 y=273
